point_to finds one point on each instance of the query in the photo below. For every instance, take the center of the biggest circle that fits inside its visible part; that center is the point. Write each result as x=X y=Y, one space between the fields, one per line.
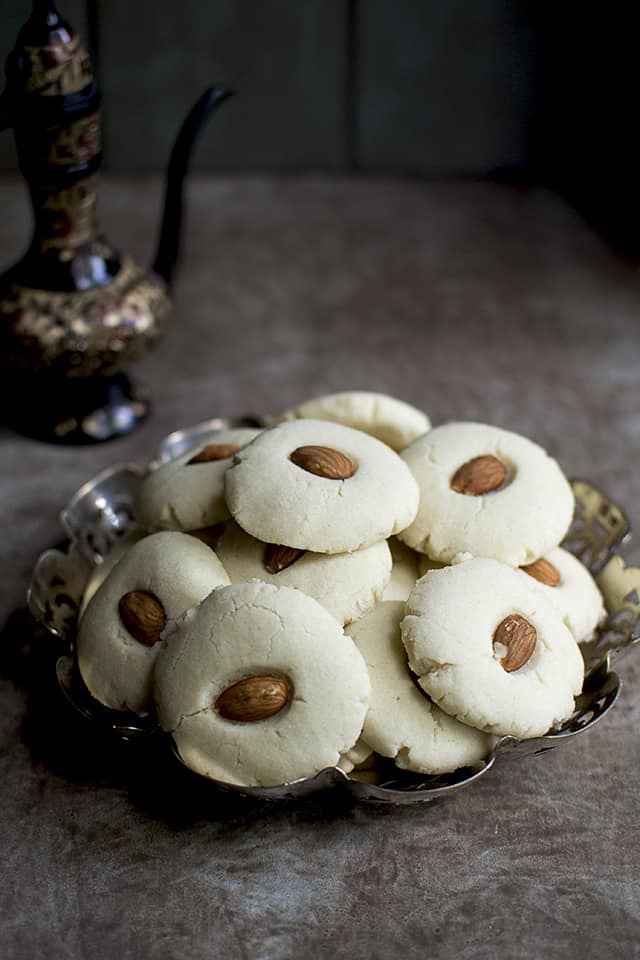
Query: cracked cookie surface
x=401 y=722
x=255 y=629
x=277 y=501
x=448 y=632
x=576 y=595
x=393 y=421
x=180 y=495
x=516 y=522
x=346 y=584
x=179 y=571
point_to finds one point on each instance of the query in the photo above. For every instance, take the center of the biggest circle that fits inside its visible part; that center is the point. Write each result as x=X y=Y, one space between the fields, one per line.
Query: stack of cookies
x=344 y=585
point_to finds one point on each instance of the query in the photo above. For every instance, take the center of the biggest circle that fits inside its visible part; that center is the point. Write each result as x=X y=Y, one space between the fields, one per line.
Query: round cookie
x=515 y=521
x=181 y=495
x=116 y=664
x=100 y=573
x=402 y=723
x=491 y=650
x=346 y=584
x=572 y=590
x=320 y=486
x=393 y=421
x=358 y=756
x=404 y=572
x=250 y=630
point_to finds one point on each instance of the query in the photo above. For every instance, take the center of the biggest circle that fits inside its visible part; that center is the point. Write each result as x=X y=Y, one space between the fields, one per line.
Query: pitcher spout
x=168 y=251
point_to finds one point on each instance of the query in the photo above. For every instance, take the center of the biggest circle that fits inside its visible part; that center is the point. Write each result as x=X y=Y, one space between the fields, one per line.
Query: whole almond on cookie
x=143 y=615
x=479 y=475
x=277 y=557
x=323 y=462
x=543 y=571
x=252 y=699
x=519 y=638
x=214 y=451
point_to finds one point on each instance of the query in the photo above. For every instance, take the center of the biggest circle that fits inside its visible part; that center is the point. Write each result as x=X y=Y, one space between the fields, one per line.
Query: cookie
x=360 y=755
x=320 y=486
x=259 y=686
x=346 y=584
x=402 y=723
x=404 y=572
x=491 y=650
x=188 y=493
x=158 y=579
x=572 y=590
x=393 y=421
x=487 y=492
x=100 y=573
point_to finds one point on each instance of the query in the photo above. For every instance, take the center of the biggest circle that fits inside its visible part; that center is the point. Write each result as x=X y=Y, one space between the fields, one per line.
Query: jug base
x=75 y=411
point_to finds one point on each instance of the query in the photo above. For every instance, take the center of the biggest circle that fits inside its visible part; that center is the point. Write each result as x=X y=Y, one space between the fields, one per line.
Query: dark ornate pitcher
x=75 y=313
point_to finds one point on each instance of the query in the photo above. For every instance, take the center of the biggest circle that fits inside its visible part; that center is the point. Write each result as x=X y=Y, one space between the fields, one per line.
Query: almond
x=478 y=476
x=323 y=462
x=544 y=571
x=254 y=698
x=143 y=615
x=214 y=451
x=277 y=557
x=519 y=638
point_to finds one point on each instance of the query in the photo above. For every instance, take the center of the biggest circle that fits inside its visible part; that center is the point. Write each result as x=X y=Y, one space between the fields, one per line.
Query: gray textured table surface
x=472 y=301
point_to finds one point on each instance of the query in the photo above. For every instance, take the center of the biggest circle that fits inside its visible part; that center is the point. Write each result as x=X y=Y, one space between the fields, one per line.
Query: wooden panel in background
x=13 y=13
x=444 y=87
x=437 y=87
x=286 y=60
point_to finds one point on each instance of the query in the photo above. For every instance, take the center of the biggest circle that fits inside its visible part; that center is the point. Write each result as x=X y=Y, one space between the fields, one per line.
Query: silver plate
x=101 y=512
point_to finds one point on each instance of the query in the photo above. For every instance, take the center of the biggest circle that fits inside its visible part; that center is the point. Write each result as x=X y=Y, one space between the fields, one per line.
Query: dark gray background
x=531 y=92
x=328 y=84
x=471 y=301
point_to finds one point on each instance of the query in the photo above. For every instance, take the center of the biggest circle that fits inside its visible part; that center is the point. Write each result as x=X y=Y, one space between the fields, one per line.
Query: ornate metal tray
x=101 y=513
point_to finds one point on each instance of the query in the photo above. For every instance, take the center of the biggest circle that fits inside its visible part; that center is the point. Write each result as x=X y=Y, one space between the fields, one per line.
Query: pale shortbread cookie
x=187 y=496
x=576 y=596
x=401 y=722
x=404 y=572
x=425 y=564
x=393 y=421
x=100 y=573
x=452 y=616
x=346 y=584
x=359 y=755
x=277 y=501
x=256 y=629
x=180 y=572
x=516 y=524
